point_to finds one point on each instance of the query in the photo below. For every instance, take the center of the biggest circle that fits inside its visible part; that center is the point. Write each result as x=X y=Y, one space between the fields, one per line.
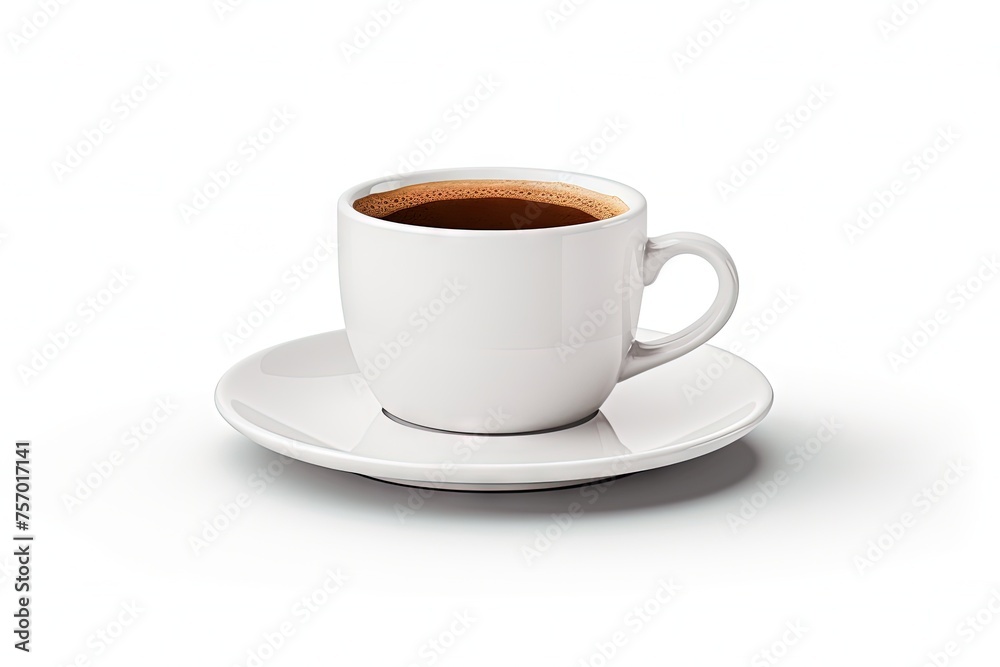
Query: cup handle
x=643 y=356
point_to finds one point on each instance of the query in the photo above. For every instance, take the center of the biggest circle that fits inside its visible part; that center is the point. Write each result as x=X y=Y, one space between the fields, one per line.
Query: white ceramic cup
x=497 y=331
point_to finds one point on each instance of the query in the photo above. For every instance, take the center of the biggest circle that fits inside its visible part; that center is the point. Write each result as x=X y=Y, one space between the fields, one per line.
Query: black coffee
x=489 y=213
x=491 y=205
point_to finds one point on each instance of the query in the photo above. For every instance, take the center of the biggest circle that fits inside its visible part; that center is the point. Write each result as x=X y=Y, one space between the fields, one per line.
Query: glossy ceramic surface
x=448 y=325
x=305 y=399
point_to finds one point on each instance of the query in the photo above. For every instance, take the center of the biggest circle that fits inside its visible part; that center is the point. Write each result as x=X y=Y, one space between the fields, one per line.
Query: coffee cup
x=506 y=300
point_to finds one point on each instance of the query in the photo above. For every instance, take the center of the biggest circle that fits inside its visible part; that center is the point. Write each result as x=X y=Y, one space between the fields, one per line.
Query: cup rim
x=633 y=198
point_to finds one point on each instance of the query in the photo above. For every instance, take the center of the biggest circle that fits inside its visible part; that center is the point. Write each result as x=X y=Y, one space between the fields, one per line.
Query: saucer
x=306 y=399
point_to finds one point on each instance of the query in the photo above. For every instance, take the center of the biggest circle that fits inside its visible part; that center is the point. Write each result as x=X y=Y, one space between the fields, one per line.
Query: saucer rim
x=487 y=473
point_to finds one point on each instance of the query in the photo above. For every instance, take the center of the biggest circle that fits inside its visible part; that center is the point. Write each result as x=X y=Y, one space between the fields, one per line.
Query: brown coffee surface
x=491 y=205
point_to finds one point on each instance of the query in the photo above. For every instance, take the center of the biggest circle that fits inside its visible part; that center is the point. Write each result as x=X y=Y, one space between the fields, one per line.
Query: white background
x=559 y=84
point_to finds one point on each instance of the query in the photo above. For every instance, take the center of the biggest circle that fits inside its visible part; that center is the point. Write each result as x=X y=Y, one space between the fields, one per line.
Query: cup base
x=578 y=422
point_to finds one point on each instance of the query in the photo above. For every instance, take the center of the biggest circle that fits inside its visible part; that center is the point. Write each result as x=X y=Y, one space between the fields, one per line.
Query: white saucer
x=305 y=399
